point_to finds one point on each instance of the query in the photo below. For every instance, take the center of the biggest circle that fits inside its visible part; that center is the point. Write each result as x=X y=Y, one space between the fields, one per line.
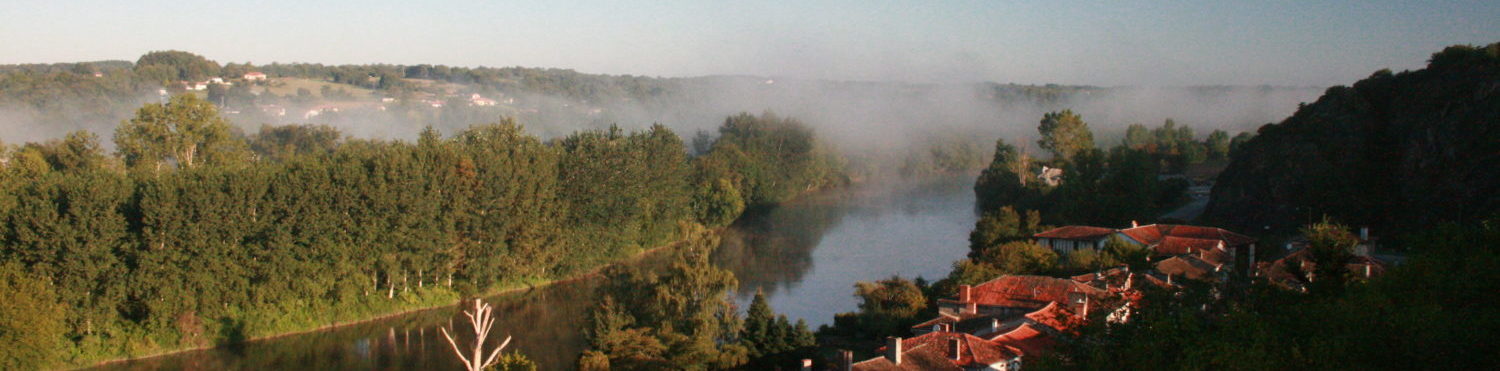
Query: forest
x=194 y=234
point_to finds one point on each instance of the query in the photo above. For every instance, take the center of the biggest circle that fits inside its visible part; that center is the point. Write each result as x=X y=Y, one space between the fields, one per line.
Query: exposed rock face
x=1397 y=152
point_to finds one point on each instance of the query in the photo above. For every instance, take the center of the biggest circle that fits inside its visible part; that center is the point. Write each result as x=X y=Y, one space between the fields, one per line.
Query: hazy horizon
x=1070 y=43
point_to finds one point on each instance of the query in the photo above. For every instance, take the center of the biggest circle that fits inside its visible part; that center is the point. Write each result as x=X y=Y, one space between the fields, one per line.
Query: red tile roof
x=1155 y=233
x=1076 y=232
x=1056 y=317
x=1277 y=271
x=930 y=352
x=1173 y=245
x=941 y=319
x=1186 y=266
x=1028 y=340
x=1027 y=291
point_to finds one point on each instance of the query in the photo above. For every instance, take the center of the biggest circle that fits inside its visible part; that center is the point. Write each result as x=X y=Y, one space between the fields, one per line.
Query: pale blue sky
x=1071 y=42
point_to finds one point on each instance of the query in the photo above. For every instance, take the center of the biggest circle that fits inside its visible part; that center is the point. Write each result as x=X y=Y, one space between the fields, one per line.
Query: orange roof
x=1173 y=245
x=1027 y=291
x=1277 y=270
x=1028 y=340
x=1146 y=234
x=930 y=352
x=1056 y=317
x=1155 y=233
x=1186 y=266
x=1076 y=232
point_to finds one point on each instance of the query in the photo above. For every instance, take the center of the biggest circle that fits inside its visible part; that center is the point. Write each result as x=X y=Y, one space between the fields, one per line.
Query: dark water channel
x=806 y=256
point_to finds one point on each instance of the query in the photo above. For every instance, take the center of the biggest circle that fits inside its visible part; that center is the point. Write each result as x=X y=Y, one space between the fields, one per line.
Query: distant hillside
x=1395 y=151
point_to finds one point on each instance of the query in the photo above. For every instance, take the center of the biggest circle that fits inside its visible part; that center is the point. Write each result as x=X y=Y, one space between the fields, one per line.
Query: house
x=1295 y=269
x=1050 y=176
x=942 y=351
x=255 y=76
x=1012 y=295
x=1028 y=340
x=1214 y=245
x=1074 y=237
x=996 y=343
x=1172 y=239
x=1192 y=267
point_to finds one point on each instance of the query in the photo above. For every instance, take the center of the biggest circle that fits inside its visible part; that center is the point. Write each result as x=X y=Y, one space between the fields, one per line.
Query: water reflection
x=806 y=255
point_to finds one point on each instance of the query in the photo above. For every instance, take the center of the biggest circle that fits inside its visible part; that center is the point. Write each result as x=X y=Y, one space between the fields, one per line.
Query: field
x=289 y=85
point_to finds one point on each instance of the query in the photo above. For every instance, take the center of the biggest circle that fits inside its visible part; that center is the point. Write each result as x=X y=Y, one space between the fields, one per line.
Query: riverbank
x=694 y=235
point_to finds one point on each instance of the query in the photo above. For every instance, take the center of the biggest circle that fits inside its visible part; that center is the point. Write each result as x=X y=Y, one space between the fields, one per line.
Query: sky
x=1104 y=43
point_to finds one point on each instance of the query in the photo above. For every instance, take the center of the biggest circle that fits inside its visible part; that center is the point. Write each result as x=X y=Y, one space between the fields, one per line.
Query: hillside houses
x=998 y=324
x=1184 y=249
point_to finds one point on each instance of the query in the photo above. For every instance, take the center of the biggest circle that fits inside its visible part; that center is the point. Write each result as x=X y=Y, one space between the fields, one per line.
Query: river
x=806 y=255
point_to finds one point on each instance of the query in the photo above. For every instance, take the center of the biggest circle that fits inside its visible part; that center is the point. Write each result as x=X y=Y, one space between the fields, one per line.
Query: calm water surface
x=806 y=256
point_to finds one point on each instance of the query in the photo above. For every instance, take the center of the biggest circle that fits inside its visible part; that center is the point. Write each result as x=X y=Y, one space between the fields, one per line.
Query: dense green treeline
x=1088 y=186
x=197 y=235
x=1393 y=151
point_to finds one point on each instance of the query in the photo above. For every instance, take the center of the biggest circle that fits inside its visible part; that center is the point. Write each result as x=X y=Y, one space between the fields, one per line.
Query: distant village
x=1000 y=324
x=432 y=98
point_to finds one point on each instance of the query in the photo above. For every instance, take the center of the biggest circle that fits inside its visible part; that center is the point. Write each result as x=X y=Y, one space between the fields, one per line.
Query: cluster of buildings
x=1000 y=324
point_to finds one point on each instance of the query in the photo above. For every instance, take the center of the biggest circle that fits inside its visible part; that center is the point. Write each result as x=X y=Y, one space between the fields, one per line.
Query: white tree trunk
x=483 y=321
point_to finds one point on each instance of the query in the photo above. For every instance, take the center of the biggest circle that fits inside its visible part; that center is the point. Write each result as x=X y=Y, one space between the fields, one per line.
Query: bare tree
x=482 y=320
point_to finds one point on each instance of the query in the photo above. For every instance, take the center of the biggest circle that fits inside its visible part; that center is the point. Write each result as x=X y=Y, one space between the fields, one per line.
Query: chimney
x=893 y=349
x=955 y=348
x=1364 y=234
x=846 y=360
x=1133 y=224
x=806 y=364
x=964 y=293
x=971 y=308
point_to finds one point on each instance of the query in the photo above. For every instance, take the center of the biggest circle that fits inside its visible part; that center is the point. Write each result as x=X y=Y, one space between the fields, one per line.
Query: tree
x=31 y=321
x=482 y=320
x=186 y=131
x=1239 y=142
x=685 y=308
x=1003 y=226
x=1138 y=137
x=287 y=141
x=1020 y=257
x=771 y=339
x=1330 y=246
x=181 y=65
x=1218 y=144
x=1064 y=134
x=78 y=150
x=1005 y=181
x=1118 y=251
x=890 y=305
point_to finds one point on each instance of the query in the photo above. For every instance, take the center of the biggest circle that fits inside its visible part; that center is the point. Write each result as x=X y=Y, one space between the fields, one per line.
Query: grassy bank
x=301 y=317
